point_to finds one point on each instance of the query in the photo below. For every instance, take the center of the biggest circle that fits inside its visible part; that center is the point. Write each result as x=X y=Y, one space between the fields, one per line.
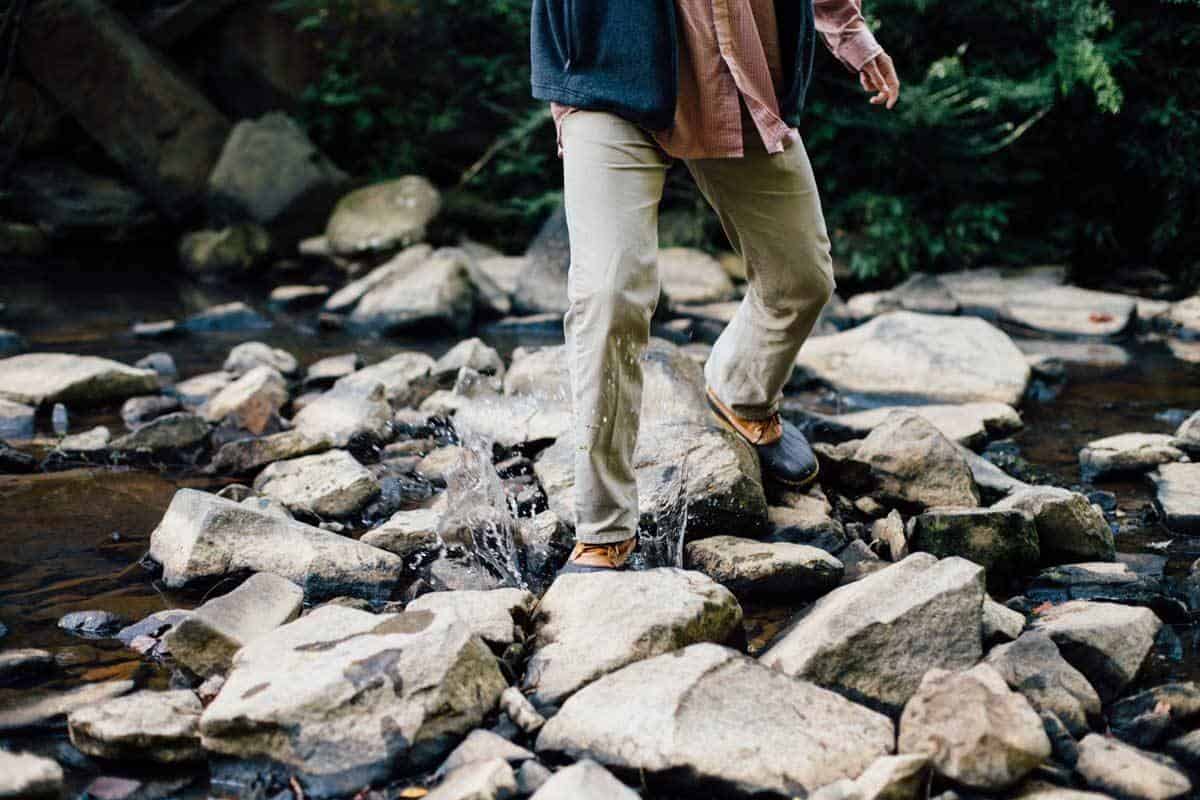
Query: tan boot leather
x=596 y=557
x=754 y=431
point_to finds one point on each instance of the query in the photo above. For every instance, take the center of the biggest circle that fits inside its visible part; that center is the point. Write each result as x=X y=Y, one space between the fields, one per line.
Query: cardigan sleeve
x=845 y=32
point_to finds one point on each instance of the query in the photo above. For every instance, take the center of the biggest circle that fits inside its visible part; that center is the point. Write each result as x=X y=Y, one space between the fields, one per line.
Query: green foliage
x=1043 y=130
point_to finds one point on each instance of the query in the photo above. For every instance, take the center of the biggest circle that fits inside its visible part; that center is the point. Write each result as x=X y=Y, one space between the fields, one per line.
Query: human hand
x=879 y=75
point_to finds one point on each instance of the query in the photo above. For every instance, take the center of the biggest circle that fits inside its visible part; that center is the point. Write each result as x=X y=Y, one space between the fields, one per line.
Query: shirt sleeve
x=841 y=25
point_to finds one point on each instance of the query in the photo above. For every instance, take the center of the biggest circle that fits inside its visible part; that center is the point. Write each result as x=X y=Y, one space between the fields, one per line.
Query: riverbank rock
x=330 y=484
x=1107 y=581
x=155 y=726
x=975 y=730
x=806 y=520
x=678 y=433
x=969 y=424
x=1125 y=771
x=407 y=533
x=400 y=375
x=914 y=466
x=206 y=640
x=25 y=775
x=383 y=216
x=483 y=745
x=471 y=353
x=248 y=455
x=542 y=287
x=919 y=358
x=436 y=292
x=874 y=639
x=235 y=316
x=1069 y=528
x=343 y=697
x=346 y=411
x=584 y=780
x=1033 y=666
x=1177 y=488
x=252 y=402
x=497 y=616
x=751 y=568
x=488 y=779
x=1004 y=543
x=16 y=420
x=1127 y=453
x=227 y=252
x=749 y=729
x=204 y=537
x=248 y=355
x=170 y=432
x=1107 y=642
x=692 y=276
x=1184 y=318
x=636 y=614
x=37 y=378
x=40 y=708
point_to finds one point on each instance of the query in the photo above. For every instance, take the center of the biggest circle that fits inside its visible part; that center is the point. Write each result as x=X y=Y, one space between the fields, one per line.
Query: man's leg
x=613 y=180
x=769 y=208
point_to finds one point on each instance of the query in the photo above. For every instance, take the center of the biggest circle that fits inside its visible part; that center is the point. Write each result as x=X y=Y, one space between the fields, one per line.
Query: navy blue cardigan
x=622 y=56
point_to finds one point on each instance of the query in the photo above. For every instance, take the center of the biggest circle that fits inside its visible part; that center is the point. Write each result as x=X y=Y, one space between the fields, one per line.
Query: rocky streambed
x=262 y=551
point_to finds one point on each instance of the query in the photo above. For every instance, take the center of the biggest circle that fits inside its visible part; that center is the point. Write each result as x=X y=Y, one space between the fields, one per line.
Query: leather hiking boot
x=598 y=557
x=783 y=452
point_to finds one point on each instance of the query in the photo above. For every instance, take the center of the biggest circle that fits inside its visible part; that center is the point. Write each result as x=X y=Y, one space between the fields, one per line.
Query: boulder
x=1004 y=543
x=407 y=533
x=542 y=287
x=401 y=376
x=497 y=616
x=343 y=697
x=520 y=711
x=408 y=259
x=969 y=424
x=543 y=373
x=900 y=777
x=1145 y=718
x=492 y=779
x=750 y=568
x=504 y=271
x=1125 y=771
x=913 y=465
x=248 y=455
x=297 y=296
x=584 y=780
x=92 y=624
x=1107 y=642
x=891 y=532
x=749 y=730
x=919 y=358
x=382 y=216
x=248 y=355
x=1000 y=623
x=1127 y=453
x=154 y=726
x=41 y=708
x=194 y=392
x=344 y=412
x=806 y=520
x=472 y=353
x=329 y=484
x=137 y=411
x=1177 y=488
x=25 y=775
x=692 y=276
x=481 y=745
x=1069 y=528
x=71 y=204
x=327 y=371
x=437 y=292
x=203 y=537
x=235 y=316
x=993 y=482
x=975 y=730
x=206 y=640
x=91 y=442
x=171 y=432
x=37 y=378
x=228 y=252
x=1113 y=582
x=251 y=403
x=636 y=614
x=16 y=420
x=874 y=639
x=508 y=421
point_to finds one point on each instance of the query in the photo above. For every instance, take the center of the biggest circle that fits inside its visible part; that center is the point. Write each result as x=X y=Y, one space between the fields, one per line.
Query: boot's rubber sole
x=803 y=483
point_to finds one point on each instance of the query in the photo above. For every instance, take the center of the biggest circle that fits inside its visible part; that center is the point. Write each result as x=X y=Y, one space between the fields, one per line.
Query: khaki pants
x=769 y=208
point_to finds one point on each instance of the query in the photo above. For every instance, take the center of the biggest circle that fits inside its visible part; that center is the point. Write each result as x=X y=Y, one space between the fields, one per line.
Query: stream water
x=70 y=541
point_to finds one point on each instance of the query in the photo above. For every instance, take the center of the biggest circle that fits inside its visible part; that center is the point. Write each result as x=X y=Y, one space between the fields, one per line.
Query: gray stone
x=915 y=466
x=975 y=730
x=194 y=392
x=542 y=287
x=344 y=697
x=542 y=373
x=154 y=726
x=407 y=533
x=1186 y=748
x=235 y=316
x=522 y=713
x=437 y=292
x=1184 y=317
x=230 y=251
x=874 y=639
x=1127 y=772
x=970 y=424
x=344 y=300
x=584 y=780
x=1069 y=528
x=692 y=276
x=204 y=537
x=636 y=614
x=750 y=568
x=806 y=520
x=248 y=355
x=497 y=616
x=1127 y=453
x=471 y=353
x=344 y=412
x=11 y=342
x=1143 y=719
x=93 y=624
x=532 y=776
x=992 y=481
x=329 y=370
x=891 y=531
x=1000 y=623
x=899 y=777
x=252 y=402
x=175 y=431
x=137 y=411
x=1108 y=581
x=504 y=271
x=1188 y=433
x=492 y=779
x=206 y=640
x=400 y=375
x=37 y=378
x=749 y=729
x=16 y=420
x=297 y=296
x=43 y=708
x=1042 y=790
x=251 y=454
x=383 y=216
x=329 y=484
x=481 y=745
x=1107 y=642
x=90 y=442
x=155 y=625
x=1177 y=488
x=1002 y=542
x=25 y=775
x=923 y=358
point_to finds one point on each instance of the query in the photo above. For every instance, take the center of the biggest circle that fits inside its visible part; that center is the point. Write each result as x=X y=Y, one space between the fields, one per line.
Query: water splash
x=663 y=545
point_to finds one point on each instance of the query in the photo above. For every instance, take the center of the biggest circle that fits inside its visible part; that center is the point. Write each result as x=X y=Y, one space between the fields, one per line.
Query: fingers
x=875 y=79
x=879 y=76
x=890 y=80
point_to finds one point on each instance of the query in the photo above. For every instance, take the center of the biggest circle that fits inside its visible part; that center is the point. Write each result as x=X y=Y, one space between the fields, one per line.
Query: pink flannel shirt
x=729 y=55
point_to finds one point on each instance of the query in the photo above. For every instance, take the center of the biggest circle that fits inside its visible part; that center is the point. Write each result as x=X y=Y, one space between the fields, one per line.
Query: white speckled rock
x=159 y=726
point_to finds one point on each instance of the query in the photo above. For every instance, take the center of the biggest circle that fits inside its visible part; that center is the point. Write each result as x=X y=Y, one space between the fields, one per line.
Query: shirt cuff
x=856 y=49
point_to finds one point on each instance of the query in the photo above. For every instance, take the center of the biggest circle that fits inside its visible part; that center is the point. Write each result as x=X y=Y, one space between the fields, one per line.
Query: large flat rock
x=1177 y=489
x=330 y=484
x=748 y=568
x=154 y=726
x=712 y=718
x=36 y=378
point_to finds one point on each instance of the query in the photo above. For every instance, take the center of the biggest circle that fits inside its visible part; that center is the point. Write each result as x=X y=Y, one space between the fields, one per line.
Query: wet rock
x=251 y=403
x=408 y=259
x=92 y=442
x=806 y=520
x=204 y=537
x=1068 y=526
x=546 y=542
x=636 y=614
x=750 y=568
x=692 y=276
x=908 y=357
x=25 y=775
x=542 y=373
x=521 y=711
x=471 y=353
x=247 y=455
x=171 y=432
x=915 y=466
x=492 y=779
x=235 y=316
x=194 y=392
x=542 y=287
x=437 y=292
x=497 y=616
x=407 y=533
x=1145 y=718
x=230 y=251
x=93 y=624
x=1100 y=580
x=23 y=663
x=1186 y=748
x=41 y=708
x=269 y=172
x=1177 y=488
x=1033 y=666
x=874 y=639
x=154 y=625
x=292 y=297
x=1002 y=542
x=327 y=371
x=16 y=420
x=1127 y=453
x=248 y=355
x=343 y=697
x=891 y=532
x=155 y=726
x=383 y=216
x=330 y=484
x=859 y=561
x=481 y=745
x=993 y=482
x=206 y=640
x=899 y=777
x=1000 y=623
x=14 y=462
x=750 y=729
x=1124 y=771
x=137 y=411
x=1107 y=642
x=583 y=780
x=401 y=376
x=975 y=730
x=345 y=412
x=970 y=424
x=37 y=378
